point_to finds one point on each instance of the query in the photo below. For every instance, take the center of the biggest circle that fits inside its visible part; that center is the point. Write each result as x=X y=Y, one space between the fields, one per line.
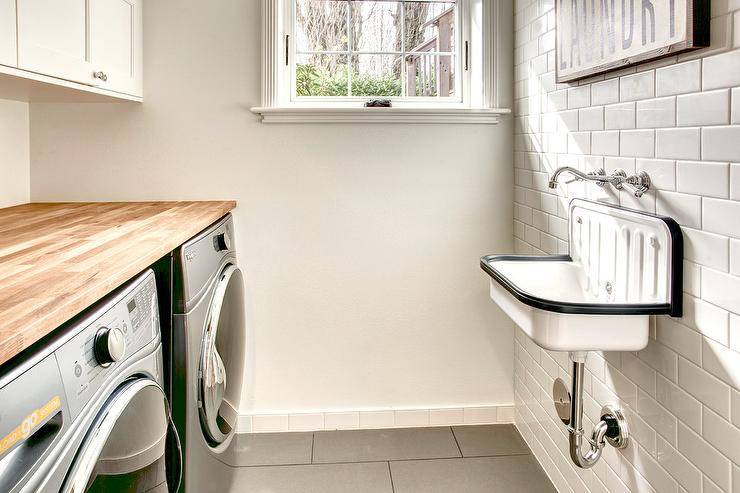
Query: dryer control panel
x=111 y=335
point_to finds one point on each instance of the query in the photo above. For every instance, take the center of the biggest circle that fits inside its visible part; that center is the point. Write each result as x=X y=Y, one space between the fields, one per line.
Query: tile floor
x=458 y=459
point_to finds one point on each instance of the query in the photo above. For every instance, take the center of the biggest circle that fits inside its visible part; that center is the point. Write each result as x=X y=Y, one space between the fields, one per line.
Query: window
x=434 y=59
x=367 y=48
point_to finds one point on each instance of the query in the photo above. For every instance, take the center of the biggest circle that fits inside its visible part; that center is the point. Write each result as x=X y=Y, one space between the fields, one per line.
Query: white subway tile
x=412 y=417
x=710 y=320
x=377 y=419
x=655 y=113
x=269 y=423
x=591 y=118
x=680 y=403
x=639 y=373
x=446 y=416
x=735 y=336
x=579 y=143
x=707 y=249
x=704 y=108
x=736 y=104
x=704 y=456
x=721 y=289
x=687 y=475
x=637 y=143
x=605 y=143
x=605 y=92
x=703 y=178
x=735 y=257
x=722 y=70
x=658 y=417
x=661 y=358
x=579 y=97
x=678 y=143
x=722 y=435
x=480 y=415
x=722 y=216
x=735 y=181
x=342 y=420
x=736 y=407
x=707 y=388
x=722 y=362
x=685 y=209
x=720 y=143
x=691 y=278
x=306 y=422
x=662 y=172
x=619 y=116
x=682 y=339
x=637 y=86
x=679 y=79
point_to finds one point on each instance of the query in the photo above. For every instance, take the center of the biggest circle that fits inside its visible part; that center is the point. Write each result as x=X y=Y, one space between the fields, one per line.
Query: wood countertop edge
x=80 y=300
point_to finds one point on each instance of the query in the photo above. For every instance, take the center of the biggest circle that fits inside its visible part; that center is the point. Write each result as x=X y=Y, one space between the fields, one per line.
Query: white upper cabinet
x=97 y=43
x=116 y=44
x=8 y=50
x=52 y=38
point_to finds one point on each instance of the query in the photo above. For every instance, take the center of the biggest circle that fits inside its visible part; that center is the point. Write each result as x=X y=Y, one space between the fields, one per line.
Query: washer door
x=125 y=450
x=221 y=363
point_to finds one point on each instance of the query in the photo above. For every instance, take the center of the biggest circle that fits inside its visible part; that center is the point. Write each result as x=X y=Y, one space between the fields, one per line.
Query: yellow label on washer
x=30 y=423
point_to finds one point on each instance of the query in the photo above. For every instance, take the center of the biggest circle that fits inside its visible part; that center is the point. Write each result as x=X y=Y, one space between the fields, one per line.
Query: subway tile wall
x=679 y=120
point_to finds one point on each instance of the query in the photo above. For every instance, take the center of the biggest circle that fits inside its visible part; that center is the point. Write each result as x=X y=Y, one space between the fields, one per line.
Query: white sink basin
x=623 y=267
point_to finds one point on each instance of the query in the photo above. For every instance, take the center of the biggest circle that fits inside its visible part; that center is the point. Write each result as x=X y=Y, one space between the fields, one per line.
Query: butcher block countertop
x=58 y=259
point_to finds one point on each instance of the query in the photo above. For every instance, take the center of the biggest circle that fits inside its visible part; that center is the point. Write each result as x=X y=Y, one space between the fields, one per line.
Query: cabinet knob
x=100 y=75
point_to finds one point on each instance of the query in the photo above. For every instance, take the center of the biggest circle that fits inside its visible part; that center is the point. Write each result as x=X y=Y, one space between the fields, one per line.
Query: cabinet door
x=52 y=38
x=116 y=44
x=8 y=54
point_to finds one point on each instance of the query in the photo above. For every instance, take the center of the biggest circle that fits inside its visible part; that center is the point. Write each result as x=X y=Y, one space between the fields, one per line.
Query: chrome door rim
x=84 y=464
x=207 y=407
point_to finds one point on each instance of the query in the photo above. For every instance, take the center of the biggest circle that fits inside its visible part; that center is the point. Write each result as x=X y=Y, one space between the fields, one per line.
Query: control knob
x=110 y=346
x=222 y=242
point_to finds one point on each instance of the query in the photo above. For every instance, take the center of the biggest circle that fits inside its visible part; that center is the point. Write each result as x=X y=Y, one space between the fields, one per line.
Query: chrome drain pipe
x=612 y=429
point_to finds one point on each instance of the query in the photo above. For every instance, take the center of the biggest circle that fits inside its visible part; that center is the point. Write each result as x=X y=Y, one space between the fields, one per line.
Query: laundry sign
x=595 y=36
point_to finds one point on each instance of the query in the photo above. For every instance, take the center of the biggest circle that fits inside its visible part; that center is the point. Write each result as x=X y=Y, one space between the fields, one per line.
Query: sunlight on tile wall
x=679 y=120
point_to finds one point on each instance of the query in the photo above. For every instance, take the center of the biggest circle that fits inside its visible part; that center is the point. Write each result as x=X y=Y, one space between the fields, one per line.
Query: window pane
x=430 y=75
x=430 y=26
x=321 y=25
x=376 y=26
x=376 y=75
x=321 y=75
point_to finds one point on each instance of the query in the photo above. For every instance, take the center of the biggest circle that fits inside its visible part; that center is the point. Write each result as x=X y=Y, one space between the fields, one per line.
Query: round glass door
x=222 y=355
x=126 y=450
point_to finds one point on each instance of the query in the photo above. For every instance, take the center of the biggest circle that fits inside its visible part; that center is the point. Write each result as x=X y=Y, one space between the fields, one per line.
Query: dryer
x=208 y=352
x=85 y=410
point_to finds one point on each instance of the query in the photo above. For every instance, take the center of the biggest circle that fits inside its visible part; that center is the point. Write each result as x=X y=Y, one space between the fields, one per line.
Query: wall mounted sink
x=623 y=266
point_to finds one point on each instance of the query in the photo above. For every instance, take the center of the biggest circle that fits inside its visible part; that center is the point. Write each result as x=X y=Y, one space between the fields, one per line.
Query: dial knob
x=222 y=242
x=109 y=346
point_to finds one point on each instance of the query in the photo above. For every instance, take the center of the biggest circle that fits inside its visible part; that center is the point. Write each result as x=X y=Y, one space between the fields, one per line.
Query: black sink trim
x=674 y=308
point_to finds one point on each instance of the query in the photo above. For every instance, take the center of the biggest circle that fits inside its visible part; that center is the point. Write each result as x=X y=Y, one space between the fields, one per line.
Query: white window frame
x=477 y=103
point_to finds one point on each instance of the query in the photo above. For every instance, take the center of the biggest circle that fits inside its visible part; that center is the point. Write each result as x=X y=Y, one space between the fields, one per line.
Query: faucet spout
x=598 y=176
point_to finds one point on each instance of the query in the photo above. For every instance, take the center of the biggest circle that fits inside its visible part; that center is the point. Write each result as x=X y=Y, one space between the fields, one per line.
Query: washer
x=208 y=352
x=86 y=410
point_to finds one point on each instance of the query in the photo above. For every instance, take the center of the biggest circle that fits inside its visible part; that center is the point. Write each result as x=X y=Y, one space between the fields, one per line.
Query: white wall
x=678 y=119
x=360 y=242
x=14 y=149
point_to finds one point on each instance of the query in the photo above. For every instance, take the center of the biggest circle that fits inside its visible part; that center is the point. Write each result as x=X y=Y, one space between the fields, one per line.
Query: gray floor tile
x=264 y=449
x=487 y=440
x=516 y=473
x=378 y=445
x=369 y=477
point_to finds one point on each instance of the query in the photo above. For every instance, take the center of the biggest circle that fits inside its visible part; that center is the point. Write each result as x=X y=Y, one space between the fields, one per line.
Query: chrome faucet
x=639 y=183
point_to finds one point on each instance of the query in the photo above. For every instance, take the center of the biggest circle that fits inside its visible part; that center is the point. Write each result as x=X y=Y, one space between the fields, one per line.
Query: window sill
x=298 y=114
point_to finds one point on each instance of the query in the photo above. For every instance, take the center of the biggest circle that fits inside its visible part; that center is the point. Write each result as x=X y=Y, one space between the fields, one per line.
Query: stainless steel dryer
x=208 y=352
x=86 y=410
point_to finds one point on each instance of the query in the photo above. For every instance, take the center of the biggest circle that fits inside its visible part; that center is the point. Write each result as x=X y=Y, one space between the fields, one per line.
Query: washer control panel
x=124 y=325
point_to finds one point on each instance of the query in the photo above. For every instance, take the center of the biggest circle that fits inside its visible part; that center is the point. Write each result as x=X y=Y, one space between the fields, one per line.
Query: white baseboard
x=367 y=419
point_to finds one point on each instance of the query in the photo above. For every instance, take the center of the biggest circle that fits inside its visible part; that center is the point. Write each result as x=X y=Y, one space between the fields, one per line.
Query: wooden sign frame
x=696 y=36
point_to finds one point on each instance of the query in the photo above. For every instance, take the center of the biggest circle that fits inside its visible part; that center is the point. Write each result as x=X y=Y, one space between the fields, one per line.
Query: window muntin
x=354 y=49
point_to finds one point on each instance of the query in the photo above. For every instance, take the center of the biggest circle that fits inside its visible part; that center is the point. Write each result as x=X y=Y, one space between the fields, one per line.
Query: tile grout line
x=313 y=439
x=456 y=442
x=390 y=475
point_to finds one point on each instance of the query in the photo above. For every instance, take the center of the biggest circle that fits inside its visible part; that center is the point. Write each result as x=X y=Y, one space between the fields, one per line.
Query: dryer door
x=125 y=449
x=222 y=356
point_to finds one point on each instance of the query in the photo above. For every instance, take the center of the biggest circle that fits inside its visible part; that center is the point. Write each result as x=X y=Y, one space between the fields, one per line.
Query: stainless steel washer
x=86 y=410
x=208 y=352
